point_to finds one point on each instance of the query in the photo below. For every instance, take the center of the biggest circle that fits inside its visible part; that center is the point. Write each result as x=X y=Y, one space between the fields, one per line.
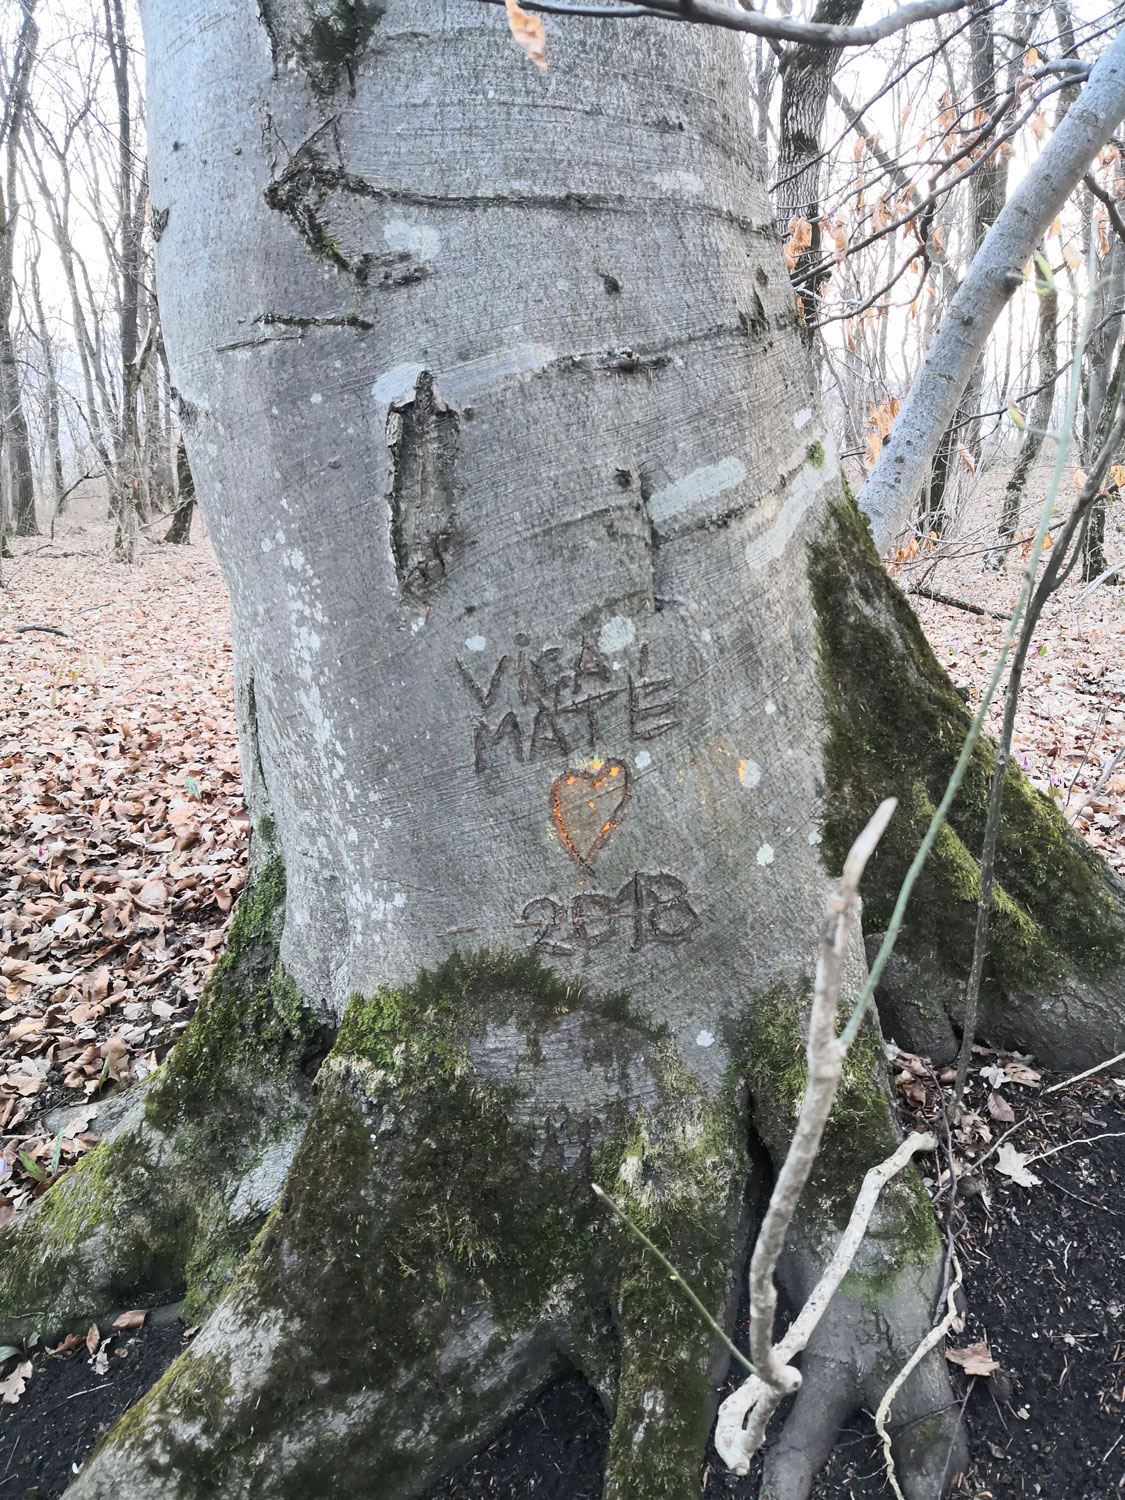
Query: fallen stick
x=955 y=603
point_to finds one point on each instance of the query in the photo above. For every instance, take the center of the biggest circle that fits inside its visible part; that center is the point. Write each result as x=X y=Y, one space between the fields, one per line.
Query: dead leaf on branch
x=529 y=33
x=974 y=1359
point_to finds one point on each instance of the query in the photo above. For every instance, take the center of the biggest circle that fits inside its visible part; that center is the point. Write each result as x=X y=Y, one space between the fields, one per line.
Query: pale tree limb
x=775 y=1375
x=996 y=272
x=734 y=1443
x=1078 y=1077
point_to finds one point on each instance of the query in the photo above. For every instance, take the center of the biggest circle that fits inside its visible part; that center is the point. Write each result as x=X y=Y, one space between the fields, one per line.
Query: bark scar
x=423 y=438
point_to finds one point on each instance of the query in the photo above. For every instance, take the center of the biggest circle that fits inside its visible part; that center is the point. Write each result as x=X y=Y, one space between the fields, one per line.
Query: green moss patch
x=859 y=1134
x=438 y=1249
x=249 y=1020
x=896 y=726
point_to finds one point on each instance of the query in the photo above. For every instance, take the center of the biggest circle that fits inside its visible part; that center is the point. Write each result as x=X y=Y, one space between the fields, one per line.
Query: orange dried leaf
x=529 y=33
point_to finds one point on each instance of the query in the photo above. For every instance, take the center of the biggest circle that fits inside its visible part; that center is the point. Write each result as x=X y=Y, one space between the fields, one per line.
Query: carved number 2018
x=647 y=909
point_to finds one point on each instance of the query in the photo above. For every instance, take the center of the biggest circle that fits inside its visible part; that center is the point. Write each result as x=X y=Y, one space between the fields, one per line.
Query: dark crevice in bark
x=302 y=189
x=423 y=436
x=328 y=320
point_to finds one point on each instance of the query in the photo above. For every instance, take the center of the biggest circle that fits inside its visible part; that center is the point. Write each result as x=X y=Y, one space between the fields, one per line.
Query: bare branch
x=774 y=28
x=994 y=275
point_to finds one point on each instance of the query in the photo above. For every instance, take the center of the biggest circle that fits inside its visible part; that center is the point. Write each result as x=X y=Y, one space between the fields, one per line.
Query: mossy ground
x=896 y=726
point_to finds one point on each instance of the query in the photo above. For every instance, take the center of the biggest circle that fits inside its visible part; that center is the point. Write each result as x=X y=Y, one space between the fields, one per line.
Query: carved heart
x=587 y=807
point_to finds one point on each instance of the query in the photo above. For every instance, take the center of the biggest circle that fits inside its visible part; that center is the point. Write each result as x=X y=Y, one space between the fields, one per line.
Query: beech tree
x=567 y=673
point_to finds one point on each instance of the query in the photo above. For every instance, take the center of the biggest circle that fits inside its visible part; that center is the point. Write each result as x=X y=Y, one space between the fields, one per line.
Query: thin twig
x=1078 y=1077
x=674 y=1274
x=952 y=1320
x=1086 y=1140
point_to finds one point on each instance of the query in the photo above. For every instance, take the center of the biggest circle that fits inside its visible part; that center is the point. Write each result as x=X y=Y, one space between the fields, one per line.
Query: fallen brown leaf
x=13 y=1388
x=974 y=1359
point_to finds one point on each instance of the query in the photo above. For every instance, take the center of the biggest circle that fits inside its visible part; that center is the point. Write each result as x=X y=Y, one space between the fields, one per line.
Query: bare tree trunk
x=180 y=530
x=51 y=425
x=1105 y=336
x=17 y=444
x=806 y=79
x=1037 y=423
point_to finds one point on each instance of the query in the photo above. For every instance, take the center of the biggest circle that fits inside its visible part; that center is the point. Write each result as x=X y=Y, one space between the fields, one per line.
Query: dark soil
x=67 y=1407
x=1045 y=1287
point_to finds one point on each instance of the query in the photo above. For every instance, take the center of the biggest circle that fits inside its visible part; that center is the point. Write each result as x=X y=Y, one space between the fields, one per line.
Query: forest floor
x=122 y=849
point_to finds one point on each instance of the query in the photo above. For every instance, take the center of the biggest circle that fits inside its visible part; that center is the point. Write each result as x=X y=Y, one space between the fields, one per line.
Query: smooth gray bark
x=995 y=273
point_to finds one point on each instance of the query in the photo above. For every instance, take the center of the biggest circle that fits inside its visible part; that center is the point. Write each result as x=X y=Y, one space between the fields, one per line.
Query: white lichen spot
x=802 y=417
x=642 y=760
x=630 y=1171
x=695 y=490
x=412 y=239
x=267 y=545
x=765 y=854
x=416 y=625
x=616 y=634
x=353 y=836
x=684 y=182
x=399 y=900
x=316 y=398
x=705 y=1039
x=705 y=637
x=475 y=643
x=771 y=707
x=814 y=838
x=749 y=773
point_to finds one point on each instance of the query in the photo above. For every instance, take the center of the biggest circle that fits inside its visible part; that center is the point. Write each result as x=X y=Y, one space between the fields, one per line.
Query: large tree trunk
x=499 y=414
